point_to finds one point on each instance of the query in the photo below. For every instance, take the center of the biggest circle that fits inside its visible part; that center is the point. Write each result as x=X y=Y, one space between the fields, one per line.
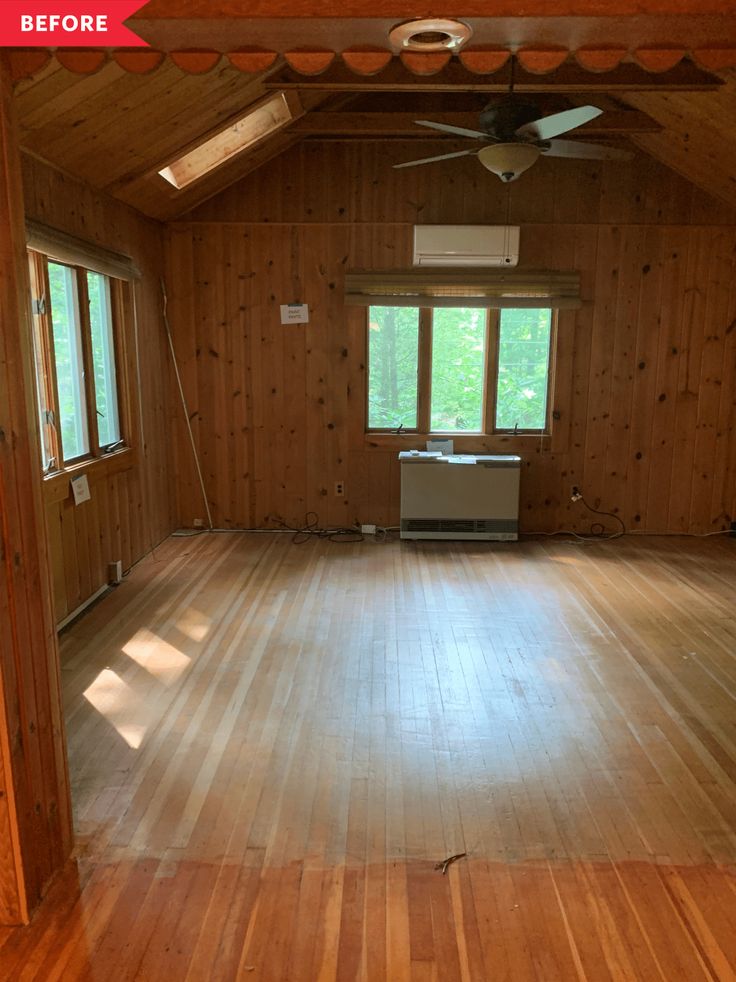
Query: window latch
x=50 y=417
x=39 y=305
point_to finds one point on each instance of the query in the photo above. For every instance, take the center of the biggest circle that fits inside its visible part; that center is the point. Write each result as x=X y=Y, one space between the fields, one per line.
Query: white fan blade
x=584 y=151
x=429 y=160
x=457 y=130
x=549 y=126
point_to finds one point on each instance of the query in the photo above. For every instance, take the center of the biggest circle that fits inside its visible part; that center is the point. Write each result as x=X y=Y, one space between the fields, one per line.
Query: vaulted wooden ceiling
x=115 y=125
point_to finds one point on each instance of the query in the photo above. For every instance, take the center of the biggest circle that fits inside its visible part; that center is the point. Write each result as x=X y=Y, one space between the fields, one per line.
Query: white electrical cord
x=186 y=410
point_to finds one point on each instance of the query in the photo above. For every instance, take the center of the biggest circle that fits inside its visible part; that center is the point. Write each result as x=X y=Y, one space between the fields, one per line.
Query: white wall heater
x=460 y=496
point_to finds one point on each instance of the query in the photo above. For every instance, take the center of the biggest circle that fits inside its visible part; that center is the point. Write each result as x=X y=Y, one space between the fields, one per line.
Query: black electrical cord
x=597 y=529
x=311 y=528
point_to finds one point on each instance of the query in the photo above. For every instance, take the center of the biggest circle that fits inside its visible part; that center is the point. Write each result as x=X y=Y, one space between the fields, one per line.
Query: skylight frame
x=260 y=121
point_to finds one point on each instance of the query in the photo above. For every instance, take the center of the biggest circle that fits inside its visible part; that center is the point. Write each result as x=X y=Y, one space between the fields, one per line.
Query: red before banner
x=68 y=24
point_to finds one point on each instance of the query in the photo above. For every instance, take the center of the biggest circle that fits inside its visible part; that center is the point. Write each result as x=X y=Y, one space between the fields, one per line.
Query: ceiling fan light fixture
x=430 y=34
x=508 y=160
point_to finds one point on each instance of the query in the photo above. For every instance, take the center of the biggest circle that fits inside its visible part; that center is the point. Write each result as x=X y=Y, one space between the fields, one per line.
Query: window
x=459 y=369
x=75 y=351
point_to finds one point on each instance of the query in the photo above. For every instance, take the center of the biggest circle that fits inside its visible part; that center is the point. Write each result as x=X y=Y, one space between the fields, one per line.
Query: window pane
x=523 y=369
x=68 y=357
x=103 y=358
x=393 y=362
x=458 y=368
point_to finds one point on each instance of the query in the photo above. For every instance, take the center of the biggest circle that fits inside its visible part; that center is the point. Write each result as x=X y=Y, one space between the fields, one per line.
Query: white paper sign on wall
x=294 y=313
x=80 y=489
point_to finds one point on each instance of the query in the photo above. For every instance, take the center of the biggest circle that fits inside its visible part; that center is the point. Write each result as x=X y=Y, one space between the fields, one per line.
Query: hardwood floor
x=271 y=747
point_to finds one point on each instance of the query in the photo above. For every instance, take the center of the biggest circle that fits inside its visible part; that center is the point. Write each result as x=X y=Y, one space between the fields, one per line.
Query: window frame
x=490 y=375
x=53 y=462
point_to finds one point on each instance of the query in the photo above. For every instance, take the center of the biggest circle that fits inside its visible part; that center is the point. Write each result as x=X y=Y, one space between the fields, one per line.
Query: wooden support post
x=35 y=810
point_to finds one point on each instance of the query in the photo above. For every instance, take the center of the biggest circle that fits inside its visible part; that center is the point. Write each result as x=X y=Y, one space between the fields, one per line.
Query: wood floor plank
x=273 y=745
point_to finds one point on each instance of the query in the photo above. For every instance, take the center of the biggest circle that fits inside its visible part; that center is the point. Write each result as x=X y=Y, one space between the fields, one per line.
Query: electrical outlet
x=198 y=523
x=339 y=488
x=368 y=529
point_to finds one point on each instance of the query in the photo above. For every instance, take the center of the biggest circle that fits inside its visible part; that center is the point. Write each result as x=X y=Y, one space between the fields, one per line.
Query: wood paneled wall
x=35 y=810
x=644 y=382
x=130 y=508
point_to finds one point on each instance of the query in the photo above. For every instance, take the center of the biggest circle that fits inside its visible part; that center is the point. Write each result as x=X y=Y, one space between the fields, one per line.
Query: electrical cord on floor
x=311 y=528
x=303 y=533
x=597 y=529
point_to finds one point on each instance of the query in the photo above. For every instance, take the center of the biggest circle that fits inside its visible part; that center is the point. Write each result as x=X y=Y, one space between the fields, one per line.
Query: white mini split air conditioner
x=459 y=496
x=466 y=245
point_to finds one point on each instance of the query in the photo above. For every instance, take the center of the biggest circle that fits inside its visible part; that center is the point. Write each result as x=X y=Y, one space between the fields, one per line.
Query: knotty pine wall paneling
x=35 y=808
x=130 y=508
x=643 y=389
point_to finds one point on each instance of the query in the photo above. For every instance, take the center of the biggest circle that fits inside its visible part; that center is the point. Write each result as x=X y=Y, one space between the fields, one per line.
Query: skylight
x=258 y=123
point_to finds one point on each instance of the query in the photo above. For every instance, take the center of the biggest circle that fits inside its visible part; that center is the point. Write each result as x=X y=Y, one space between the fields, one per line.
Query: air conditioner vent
x=466 y=245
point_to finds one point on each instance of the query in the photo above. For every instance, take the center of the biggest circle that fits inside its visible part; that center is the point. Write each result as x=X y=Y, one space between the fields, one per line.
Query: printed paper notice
x=294 y=313
x=80 y=489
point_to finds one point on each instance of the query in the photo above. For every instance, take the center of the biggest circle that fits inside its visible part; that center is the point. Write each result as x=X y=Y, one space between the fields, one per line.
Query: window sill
x=56 y=486
x=463 y=442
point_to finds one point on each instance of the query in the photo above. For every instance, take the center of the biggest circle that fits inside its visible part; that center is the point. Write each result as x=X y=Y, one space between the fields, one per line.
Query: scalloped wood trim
x=23 y=64
x=366 y=62
x=425 y=63
x=195 y=62
x=714 y=59
x=252 y=60
x=482 y=61
x=542 y=61
x=81 y=62
x=659 y=59
x=309 y=62
x=138 y=62
x=600 y=59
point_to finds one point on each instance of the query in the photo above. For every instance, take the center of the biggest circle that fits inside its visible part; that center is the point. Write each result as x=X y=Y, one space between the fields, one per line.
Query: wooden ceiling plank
x=56 y=95
x=189 y=132
x=168 y=136
x=26 y=85
x=706 y=169
x=76 y=120
x=157 y=121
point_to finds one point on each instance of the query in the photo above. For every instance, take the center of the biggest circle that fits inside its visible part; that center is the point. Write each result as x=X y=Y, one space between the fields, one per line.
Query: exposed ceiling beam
x=362 y=124
x=282 y=25
x=568 y=78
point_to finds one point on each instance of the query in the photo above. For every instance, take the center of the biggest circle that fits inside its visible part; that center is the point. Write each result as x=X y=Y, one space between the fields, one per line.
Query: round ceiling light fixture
x=430 y=34
x=508 y=160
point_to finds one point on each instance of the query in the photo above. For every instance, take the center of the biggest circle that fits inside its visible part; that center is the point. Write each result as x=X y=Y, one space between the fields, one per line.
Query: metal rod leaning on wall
x=184 y=406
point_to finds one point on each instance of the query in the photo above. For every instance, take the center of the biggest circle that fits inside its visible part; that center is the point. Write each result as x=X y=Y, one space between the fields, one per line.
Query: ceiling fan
x=516 y=136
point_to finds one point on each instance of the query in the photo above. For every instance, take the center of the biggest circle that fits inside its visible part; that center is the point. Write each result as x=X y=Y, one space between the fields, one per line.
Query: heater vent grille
x=459 y=525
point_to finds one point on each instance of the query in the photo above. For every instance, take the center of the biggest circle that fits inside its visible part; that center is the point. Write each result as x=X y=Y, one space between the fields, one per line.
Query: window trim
x=59 y=469
x=490 y=388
